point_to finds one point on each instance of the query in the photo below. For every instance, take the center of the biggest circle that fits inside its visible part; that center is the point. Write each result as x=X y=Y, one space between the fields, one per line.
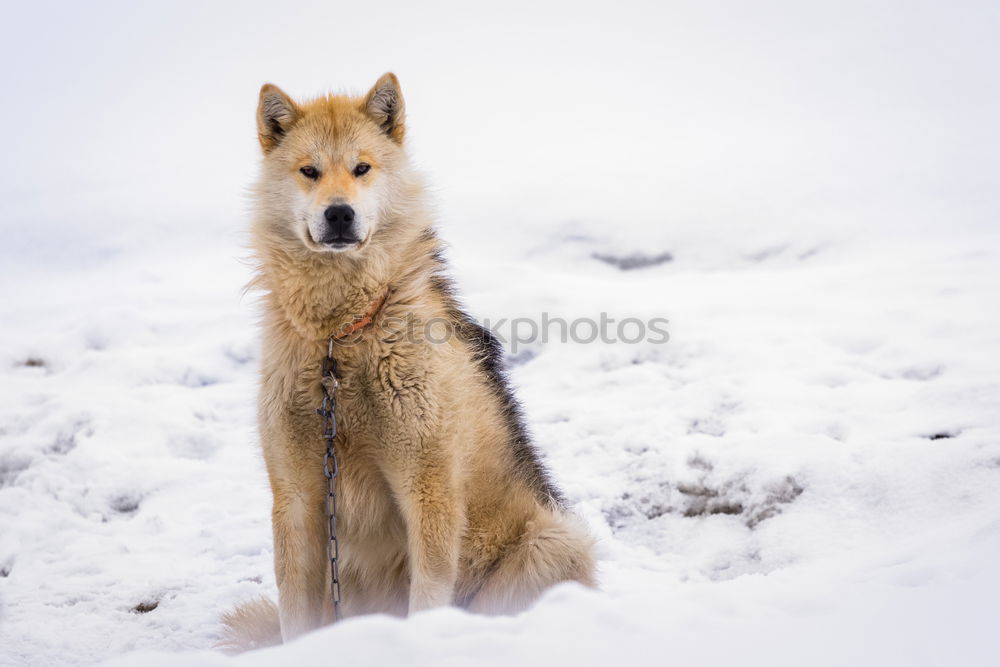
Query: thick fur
x=442 y=498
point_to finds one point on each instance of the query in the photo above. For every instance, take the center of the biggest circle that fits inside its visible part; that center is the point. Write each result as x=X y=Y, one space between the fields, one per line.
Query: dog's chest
x=379 y=406
x=364 y=496
x=384 y=394
x=365 y=504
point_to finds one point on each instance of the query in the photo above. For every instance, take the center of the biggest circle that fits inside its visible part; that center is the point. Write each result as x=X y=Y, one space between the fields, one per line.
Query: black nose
x=339 y=213
x=340 y=219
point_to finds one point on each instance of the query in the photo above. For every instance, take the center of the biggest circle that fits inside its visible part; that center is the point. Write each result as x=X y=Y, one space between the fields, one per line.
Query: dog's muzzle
x=340 y=230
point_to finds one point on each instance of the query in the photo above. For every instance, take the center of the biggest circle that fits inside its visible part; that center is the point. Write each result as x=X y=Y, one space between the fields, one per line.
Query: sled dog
x=441 y=496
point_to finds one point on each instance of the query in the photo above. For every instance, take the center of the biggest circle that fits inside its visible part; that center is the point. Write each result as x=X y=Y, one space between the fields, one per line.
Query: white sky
x=137 y=118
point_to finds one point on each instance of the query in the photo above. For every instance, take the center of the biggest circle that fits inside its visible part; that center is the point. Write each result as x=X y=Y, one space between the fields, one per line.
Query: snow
x=807 y=472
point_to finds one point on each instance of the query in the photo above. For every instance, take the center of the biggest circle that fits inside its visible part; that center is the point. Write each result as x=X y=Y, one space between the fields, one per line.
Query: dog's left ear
x=384 y=104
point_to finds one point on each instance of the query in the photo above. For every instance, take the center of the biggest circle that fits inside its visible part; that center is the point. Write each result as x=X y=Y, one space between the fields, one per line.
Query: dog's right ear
x=276 y=113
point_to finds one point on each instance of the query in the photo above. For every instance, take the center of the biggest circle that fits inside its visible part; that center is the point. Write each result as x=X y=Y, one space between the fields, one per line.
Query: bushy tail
x=251 y=625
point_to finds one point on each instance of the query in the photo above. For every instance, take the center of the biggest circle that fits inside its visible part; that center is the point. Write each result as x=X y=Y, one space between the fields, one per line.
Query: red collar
x=360 y=322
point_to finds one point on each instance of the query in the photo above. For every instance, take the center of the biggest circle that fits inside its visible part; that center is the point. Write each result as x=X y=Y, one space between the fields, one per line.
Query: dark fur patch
x=488 y=351
x=275 y=127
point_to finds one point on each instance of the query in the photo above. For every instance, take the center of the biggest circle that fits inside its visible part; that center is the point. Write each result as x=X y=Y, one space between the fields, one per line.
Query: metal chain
x=328 y=412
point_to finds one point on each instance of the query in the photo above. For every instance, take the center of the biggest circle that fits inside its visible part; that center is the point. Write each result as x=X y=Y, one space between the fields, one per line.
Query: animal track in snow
x=633 y=261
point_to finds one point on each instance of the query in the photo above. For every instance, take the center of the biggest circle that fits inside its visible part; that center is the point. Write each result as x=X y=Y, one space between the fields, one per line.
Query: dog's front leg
x=300 y=552
x=426 y=489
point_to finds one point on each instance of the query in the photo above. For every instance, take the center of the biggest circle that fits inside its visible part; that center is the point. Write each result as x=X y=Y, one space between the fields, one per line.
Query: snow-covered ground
x=807 y=473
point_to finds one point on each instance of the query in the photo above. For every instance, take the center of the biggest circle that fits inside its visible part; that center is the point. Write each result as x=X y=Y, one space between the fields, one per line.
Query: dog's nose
x=339 y=213
x=339 y=225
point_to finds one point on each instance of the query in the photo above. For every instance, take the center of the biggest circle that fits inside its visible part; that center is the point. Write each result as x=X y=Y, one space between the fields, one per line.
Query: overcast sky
x=124 y=117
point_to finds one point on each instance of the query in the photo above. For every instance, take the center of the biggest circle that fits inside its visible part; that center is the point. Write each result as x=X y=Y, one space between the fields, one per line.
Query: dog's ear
x=384 y=104
x=276 y=113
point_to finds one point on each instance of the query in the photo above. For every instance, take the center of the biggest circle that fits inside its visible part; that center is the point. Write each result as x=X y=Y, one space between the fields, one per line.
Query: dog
x=441 y=496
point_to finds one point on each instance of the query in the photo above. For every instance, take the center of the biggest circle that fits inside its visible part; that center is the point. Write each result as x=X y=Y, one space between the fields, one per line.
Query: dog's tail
x=251 y=625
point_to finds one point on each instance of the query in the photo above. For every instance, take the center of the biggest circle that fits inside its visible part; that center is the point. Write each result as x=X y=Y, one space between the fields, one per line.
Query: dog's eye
x=309 y=172
x=362 y=169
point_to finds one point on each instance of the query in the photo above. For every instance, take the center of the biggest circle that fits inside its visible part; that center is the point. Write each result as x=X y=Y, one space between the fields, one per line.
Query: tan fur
x=250 y=625
x=440 y=499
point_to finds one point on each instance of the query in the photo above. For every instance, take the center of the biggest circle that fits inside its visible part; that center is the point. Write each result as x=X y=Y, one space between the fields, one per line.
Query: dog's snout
x=339 y=225
x=339 y=213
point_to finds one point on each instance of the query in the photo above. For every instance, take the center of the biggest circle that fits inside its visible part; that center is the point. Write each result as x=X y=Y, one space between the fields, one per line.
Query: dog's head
x=332 y=165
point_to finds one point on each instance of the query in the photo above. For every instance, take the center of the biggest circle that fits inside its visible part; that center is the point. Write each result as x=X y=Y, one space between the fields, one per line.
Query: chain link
x=328 y=412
